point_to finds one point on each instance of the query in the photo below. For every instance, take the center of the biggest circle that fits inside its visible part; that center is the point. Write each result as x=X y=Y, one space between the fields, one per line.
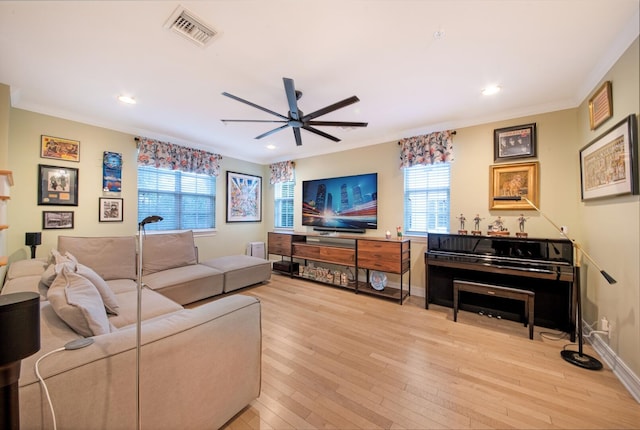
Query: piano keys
x=544 y=266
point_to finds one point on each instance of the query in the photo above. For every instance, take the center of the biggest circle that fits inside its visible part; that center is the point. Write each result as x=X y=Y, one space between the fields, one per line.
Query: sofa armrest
x=198 y=368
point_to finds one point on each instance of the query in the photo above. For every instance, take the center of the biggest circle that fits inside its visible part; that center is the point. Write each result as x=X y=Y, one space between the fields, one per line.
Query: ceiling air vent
x=186 y=24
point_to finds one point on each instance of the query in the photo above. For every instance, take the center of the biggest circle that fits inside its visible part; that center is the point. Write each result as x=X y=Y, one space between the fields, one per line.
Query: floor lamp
x=141 y=232
x=577 y=358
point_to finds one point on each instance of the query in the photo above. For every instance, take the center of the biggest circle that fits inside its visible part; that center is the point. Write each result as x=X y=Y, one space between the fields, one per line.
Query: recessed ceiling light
x=127 y=99
x=491 y=90
x=271 y=147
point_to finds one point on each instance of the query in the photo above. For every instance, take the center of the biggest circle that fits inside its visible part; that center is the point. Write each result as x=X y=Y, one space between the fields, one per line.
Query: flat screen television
x=346 y=203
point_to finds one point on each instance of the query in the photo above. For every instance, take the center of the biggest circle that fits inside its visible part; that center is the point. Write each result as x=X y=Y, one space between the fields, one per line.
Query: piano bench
x=525 y=296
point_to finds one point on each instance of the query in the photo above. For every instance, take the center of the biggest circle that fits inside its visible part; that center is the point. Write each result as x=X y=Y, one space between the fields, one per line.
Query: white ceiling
x=72 y=59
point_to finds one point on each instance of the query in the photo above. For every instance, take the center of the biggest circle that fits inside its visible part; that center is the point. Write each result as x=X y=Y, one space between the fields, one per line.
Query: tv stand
x=369 y=254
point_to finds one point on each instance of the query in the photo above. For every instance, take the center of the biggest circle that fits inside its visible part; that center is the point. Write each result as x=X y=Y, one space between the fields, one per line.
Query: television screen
x=341 y=204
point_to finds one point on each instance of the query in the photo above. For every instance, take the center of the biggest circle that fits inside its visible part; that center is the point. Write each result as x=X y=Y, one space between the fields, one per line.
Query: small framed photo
x=57 y=185
x=59 y=148
x=57 y=220
x=511 y=180
x=514 y=142
x=111 y=209
x=600 y=105
x=244 y=197
x=609 y=164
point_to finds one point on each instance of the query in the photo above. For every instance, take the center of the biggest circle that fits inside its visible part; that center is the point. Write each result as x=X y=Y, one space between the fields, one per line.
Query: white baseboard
x=629 y=379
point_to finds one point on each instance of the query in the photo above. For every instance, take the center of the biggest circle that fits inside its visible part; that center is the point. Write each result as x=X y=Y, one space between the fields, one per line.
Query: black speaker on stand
x=33 y=240
x=19 y=338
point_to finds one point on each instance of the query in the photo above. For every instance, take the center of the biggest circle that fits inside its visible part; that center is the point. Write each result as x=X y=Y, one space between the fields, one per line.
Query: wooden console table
x=368 y=253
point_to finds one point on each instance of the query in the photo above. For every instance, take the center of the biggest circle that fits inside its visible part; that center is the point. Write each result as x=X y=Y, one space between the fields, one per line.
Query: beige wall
x=25 y=215
x=610 y=227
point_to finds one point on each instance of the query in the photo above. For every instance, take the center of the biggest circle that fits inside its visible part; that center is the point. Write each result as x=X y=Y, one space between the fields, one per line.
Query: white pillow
x=78 y=303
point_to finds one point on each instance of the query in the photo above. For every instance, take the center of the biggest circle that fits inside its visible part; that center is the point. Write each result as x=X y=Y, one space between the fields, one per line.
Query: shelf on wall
x=4 y=261
x=3 y=226
x=8 y=174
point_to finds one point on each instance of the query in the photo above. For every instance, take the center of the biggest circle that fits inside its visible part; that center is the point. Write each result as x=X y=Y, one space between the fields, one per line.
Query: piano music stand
x=576 y=358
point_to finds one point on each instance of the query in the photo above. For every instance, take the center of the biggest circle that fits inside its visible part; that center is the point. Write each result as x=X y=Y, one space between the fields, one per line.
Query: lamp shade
x=31 y=239
x=20 y=322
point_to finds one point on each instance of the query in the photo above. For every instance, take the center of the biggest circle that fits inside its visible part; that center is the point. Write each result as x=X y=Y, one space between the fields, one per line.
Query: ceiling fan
x=296 y=119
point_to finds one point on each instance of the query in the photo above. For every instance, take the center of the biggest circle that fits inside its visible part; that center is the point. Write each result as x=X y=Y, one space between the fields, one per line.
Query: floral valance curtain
x=282 y=172
x=174 y=157
x=426 y=149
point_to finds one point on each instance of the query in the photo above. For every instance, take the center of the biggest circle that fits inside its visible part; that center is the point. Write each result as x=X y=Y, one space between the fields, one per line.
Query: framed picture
x=514 y=142
x=110 y=209
x=600 y=106
x=609 y=164
x=57 y=219
x=244 y=197
x=57 y=185
x=509 y=180
x=59 y=148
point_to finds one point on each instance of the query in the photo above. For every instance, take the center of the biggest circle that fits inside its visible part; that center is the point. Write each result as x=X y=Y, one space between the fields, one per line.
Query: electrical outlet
x=606 y=326
x=564 y=229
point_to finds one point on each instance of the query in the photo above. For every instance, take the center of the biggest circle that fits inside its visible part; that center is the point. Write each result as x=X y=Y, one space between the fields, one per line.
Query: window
x=185 y=201
x=283 y=217
x=426 y=199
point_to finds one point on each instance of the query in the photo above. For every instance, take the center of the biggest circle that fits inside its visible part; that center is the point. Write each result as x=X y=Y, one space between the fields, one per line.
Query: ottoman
x=241 y=270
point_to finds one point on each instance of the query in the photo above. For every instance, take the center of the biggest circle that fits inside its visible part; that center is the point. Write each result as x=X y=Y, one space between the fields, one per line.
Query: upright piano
x=544 y=266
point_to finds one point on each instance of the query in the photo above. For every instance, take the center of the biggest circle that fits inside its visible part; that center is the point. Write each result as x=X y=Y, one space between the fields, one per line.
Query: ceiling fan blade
x=253 y=120
x=338 y=123
x=320 y=133
x=296 y=134
x=330 y=108
x=254 y=105
x=268 y=133
x=290 y=90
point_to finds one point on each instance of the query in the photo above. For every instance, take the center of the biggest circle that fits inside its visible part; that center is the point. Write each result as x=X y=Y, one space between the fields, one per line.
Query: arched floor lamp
x=577 y=358
x=141 y=232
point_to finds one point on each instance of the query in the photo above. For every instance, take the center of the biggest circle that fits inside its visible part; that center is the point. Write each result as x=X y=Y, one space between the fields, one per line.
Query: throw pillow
x=78 y=303
x=107 y=294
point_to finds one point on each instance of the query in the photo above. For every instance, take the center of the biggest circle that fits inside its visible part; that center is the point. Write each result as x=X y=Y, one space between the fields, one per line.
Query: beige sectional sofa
x=199 y=366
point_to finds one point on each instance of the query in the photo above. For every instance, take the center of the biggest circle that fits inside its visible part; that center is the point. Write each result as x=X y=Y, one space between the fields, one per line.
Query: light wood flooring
x=334 y=359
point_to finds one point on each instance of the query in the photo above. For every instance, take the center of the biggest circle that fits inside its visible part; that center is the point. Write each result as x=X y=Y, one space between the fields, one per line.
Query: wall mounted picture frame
x=59 y=148
x=57 y=220
x=244 y=197
x=609 y=163
x=514 y=142
x=57 y=185
x=509 y=180
x=601 y=105
x=110 y=209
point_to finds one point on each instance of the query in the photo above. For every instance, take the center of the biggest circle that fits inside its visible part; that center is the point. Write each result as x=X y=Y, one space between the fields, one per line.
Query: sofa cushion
x=186 y=284
x=78 y=303
x=22 y=268
x=152 y=305
x=110 y=257
x=167 y=251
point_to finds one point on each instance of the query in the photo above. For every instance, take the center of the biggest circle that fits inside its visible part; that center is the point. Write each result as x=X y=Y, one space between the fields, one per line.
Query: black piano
x=544 y=266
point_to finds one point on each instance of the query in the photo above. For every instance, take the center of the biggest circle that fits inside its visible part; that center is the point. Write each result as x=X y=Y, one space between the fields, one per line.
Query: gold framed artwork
x=59 y=148
x=600 y=106
x=510 y=180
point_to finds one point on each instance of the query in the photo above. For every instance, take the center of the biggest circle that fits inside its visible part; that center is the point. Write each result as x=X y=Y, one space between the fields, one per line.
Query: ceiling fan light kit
x=296 y=119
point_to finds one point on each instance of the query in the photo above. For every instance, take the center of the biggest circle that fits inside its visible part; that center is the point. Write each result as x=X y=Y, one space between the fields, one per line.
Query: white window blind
x=426 y=199
x=283 y=217
x=185 y=201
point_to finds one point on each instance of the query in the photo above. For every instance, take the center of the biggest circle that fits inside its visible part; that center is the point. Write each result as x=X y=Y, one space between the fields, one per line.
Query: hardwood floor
x=334 y=359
